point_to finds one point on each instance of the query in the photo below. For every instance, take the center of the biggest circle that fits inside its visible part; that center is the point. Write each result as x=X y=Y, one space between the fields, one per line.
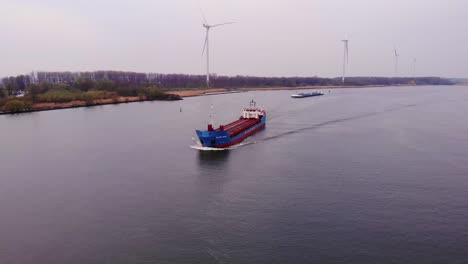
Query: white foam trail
x=245 y=144
x=207 y=148
x=200 y=147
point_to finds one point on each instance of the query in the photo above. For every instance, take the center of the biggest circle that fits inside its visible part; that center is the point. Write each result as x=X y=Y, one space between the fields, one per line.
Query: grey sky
x=270 y=37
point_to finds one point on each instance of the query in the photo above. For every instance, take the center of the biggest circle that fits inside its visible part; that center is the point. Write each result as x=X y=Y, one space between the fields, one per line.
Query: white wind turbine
x=396 y=61
x=206 y=46
x=345 y=57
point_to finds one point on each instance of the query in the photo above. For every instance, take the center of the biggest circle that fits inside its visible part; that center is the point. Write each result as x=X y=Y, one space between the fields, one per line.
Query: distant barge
x=252 y=120
x=303 y=95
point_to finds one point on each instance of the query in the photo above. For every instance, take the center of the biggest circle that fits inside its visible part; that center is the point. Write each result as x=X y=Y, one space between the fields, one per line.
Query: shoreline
x=215 y=91
x=182 y=93
x=39 y=107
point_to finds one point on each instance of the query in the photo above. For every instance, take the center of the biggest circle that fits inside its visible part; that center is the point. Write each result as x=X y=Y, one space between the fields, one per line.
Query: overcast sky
x=269 y=38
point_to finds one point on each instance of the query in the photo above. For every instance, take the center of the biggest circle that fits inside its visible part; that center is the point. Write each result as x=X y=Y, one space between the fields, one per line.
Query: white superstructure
x=252 y=111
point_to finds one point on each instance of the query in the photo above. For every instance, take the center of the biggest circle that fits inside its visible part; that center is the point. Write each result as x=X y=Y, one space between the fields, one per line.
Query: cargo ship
x=303 y=95
x=252 y=120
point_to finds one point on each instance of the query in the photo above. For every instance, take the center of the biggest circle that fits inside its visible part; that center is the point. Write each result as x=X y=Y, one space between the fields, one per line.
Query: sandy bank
x=201 y=92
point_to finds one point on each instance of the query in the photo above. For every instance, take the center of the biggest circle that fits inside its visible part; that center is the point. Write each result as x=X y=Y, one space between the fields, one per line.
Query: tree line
x=114 y=80
x=22 y=92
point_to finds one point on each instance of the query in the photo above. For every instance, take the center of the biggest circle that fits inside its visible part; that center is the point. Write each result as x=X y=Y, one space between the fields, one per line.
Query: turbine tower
x=396 y=61
x=345 y=58
x=206 y=46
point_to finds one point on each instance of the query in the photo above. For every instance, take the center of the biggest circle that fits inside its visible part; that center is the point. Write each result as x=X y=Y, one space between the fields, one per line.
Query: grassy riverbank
x=60 y=99
x=23 y=106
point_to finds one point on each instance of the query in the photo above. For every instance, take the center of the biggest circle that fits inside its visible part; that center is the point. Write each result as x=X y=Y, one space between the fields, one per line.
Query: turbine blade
x=204 y=45
x=217 y=25
x=203 y=15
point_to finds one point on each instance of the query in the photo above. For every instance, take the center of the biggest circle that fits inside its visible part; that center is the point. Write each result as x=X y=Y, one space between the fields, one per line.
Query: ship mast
x=212 y=115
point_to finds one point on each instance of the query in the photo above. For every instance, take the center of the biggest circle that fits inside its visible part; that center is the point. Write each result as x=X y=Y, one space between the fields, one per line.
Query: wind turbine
x=396 y=61
x=206 y=46
x=345 y=57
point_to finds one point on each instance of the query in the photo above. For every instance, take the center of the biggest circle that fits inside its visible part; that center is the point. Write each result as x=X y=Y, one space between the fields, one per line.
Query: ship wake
x=198 y=146
x=336 y=121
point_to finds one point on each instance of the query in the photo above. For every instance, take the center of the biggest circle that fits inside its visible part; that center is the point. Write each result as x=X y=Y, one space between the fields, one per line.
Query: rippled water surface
x=356 y=176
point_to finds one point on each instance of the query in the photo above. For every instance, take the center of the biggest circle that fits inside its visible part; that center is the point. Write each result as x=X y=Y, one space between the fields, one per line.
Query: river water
x=370 y=175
